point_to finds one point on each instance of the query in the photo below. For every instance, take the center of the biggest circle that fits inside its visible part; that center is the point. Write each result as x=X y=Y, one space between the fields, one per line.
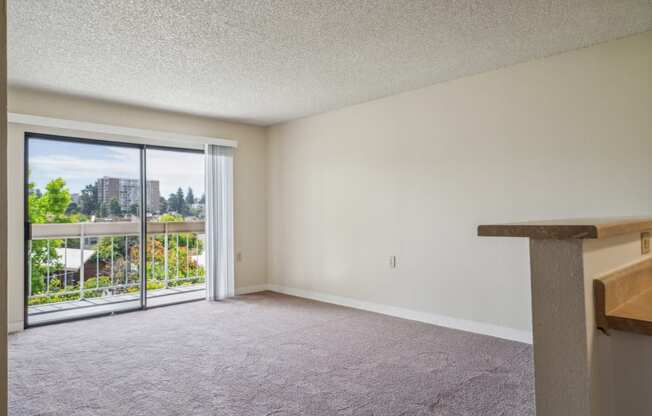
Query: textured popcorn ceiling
x=269 y=61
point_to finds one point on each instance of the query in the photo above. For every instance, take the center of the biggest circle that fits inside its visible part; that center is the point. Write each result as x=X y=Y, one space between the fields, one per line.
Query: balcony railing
x=71 y=262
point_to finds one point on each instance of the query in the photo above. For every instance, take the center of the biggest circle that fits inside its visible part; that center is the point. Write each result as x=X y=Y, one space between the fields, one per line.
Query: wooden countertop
x=634 y=315
x=623 y=299
x=578 y=228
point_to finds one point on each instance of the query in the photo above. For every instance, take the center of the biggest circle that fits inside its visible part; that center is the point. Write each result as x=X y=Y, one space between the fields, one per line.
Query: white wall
x=412 y=175
x=250 y=175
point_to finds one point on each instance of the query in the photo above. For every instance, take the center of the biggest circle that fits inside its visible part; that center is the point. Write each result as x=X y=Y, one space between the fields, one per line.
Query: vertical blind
x=220 y=276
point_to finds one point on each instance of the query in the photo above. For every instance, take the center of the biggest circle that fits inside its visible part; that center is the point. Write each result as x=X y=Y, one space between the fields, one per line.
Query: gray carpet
x=265 y=354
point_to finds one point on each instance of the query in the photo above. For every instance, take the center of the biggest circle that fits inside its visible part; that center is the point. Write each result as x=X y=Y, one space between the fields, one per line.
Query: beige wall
x=413 y=174
x=250 y=175
x=3 y=208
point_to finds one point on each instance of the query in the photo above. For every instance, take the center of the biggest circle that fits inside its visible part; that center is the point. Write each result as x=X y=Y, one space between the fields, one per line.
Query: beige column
x=561 y=359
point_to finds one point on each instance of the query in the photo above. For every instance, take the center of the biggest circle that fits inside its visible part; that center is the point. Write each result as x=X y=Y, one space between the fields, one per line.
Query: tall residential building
x=153 y=196
x=107 y=190
x=127 y=192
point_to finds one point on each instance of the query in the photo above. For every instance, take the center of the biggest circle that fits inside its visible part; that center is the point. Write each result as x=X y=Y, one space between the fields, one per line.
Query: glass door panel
x=83 y=204
x=175 y=225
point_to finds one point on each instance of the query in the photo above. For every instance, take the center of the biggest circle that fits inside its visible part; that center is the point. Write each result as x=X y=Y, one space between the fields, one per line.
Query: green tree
x=103 y=210
x=88 y=200
x=33 y=204
x=114 y=208
x=173 y=205
x=48 y=207
x=133 y=209
x=106 y=252
x=163 y=205
x=190 y=197
x=181 y=202
x=72 y=209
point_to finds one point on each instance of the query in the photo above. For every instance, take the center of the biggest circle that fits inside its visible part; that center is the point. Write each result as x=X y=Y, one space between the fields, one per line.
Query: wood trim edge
x=544 y=232
x=599 y=300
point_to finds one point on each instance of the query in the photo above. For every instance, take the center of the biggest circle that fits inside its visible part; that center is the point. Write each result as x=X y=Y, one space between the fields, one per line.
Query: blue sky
x=80 y=164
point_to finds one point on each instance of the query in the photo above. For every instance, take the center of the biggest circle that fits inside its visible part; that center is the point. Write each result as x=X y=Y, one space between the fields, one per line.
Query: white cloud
x=176 y=169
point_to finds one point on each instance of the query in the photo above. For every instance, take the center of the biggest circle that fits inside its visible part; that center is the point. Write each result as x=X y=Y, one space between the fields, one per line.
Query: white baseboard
x=15 y=327
x=430 y=318
x=251 y=289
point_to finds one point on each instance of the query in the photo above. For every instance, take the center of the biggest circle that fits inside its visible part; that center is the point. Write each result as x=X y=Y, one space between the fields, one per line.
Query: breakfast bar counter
x=591 y=283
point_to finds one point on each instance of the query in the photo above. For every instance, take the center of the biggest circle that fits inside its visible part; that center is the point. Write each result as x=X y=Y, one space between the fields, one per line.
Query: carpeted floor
x=265 y=354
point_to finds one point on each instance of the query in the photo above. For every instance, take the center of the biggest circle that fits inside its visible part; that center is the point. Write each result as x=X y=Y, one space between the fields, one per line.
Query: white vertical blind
x=220 y=278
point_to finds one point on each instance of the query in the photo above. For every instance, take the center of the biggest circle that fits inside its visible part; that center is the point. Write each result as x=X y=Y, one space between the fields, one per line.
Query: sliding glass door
x=85 y=228
x=83 y=236
x=175 y=226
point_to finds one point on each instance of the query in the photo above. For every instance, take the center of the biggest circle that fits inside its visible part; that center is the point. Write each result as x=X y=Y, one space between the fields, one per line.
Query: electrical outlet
x=645 y=243
x=392 y=262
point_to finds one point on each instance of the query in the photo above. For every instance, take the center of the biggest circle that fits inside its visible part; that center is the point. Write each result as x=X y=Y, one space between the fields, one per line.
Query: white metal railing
x=62 y=251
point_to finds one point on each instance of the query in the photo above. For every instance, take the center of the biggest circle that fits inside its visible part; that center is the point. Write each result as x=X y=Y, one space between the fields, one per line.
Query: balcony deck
x=42 y=314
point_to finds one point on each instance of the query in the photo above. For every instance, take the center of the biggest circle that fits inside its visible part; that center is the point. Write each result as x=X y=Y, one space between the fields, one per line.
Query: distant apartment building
x=127 y=192
x=153 y=196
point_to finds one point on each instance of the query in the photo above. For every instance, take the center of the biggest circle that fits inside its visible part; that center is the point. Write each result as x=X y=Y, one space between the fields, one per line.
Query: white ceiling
x=268 y=61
